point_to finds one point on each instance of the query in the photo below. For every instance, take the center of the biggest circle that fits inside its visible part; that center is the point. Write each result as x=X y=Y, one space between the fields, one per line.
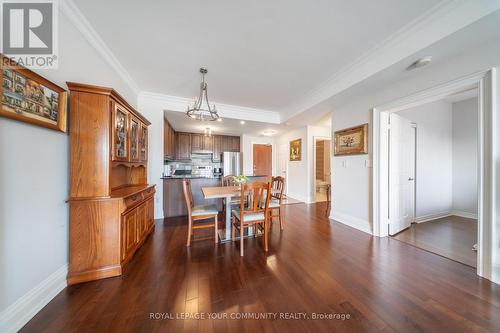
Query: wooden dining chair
x=277 y=185
x=229 y=181
x=255 y=214
x=198 y=213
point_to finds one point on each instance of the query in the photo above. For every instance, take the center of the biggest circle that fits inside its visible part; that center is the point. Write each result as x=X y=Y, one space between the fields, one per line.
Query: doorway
x=485 y=83
x=322 y=168
x=433 y=176
x=262 y=160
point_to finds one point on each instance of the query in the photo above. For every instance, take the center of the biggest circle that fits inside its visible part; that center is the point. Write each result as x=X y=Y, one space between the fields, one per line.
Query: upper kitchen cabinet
x=196 y=142
x=183 y=146
x=169 y=141
x=231 y=143
x=217 y=148
x=201 y=143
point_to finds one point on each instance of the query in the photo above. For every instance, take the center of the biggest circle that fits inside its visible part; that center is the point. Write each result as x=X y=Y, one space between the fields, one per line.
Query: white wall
x=247 y=142
x=34 y=175
x=153 y=110
x=465 y=144
x=351 y=185
x=300 y=177
x=434 y=158
x=297 y=170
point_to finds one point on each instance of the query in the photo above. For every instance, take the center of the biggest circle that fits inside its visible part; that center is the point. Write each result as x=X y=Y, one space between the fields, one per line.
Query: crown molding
x=435 y=24
x=179 y=104
x=68 y=8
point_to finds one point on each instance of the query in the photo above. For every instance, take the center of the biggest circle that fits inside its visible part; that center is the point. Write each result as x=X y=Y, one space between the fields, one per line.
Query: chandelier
x=201 y=109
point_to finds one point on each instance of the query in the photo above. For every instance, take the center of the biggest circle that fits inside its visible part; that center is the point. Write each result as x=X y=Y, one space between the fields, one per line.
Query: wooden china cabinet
x=111 y=204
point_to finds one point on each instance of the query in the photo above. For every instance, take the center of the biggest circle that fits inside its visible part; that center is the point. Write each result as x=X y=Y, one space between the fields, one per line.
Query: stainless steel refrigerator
x=232 y=163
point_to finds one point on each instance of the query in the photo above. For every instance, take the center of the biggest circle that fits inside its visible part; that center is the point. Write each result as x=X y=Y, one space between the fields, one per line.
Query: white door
x=401 y=174
x=281 y=167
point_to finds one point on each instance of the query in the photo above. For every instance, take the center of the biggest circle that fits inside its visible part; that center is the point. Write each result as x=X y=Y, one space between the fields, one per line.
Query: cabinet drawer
x=148 y=192
x=133 y=199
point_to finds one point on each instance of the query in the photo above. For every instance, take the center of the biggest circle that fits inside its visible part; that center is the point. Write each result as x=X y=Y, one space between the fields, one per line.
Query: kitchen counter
x=174 y=203
x=191 y=177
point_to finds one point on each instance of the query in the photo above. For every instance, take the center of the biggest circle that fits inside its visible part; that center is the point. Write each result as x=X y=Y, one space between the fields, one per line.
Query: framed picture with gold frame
x=352 y=141
x=296 y=150
x=28 y=97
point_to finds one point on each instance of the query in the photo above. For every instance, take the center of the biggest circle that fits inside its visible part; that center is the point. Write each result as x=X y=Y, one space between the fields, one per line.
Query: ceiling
x=472 y=37
x=181 y=123
x=259 y=54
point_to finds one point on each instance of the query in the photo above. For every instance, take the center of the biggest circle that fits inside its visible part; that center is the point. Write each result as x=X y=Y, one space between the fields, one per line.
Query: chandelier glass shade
x=201 y=108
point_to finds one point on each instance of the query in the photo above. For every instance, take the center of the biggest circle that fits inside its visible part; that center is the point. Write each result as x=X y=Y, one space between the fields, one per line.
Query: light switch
x=344 y=163
x=368 y=163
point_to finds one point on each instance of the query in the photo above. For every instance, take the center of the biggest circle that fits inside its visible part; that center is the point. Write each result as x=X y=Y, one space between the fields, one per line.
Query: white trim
x=465 y=214
x=488 y=151
x=431 y=217
x=352 y=222
x=433 y=25
x=13 y=318
x=76 y=17
x=179 y=104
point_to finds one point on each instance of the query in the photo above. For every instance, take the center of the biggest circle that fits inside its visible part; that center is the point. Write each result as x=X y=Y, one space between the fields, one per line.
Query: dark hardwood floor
x=451 y=237
x=313 y=266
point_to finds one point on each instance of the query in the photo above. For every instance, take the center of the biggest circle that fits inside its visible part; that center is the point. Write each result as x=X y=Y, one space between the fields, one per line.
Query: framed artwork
x=28 y=97
x=296 y=150
x=352 y=141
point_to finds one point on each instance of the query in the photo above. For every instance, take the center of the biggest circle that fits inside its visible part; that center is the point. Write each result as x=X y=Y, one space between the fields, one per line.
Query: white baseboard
x=13 y=318
x=431 y=217
x=298 y=197
x=465 y=214
x=352 y=221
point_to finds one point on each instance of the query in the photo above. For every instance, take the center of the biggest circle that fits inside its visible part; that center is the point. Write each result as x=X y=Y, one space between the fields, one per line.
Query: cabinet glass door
x=120 y=135
x=134 y=139
x=144 y=143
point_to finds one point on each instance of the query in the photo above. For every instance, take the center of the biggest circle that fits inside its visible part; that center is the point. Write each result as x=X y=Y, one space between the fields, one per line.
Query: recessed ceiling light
x=269 y=132
x=420 y=63
x=242 y=122
x=219 y=119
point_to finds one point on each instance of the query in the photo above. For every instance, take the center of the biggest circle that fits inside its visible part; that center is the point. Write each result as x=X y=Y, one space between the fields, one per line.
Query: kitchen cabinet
x=183 y=151
x=230 y=143
x=217 y=148
x=196 y=142
x=201 y=143
x=169 y=144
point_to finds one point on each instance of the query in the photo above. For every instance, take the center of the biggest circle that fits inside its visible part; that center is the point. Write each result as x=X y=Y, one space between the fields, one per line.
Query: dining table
x=225 y=192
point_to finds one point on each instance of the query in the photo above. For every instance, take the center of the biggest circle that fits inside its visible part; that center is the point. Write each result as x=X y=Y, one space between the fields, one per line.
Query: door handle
x=410 y=179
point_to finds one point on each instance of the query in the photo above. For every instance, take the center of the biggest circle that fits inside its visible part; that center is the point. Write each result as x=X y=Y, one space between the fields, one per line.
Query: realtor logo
x=29 y=32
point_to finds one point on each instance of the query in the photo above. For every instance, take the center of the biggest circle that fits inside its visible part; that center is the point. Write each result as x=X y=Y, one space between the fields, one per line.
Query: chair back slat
x=188 y=194
x=228 y=181
x=258 y=194
x=277 y=185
